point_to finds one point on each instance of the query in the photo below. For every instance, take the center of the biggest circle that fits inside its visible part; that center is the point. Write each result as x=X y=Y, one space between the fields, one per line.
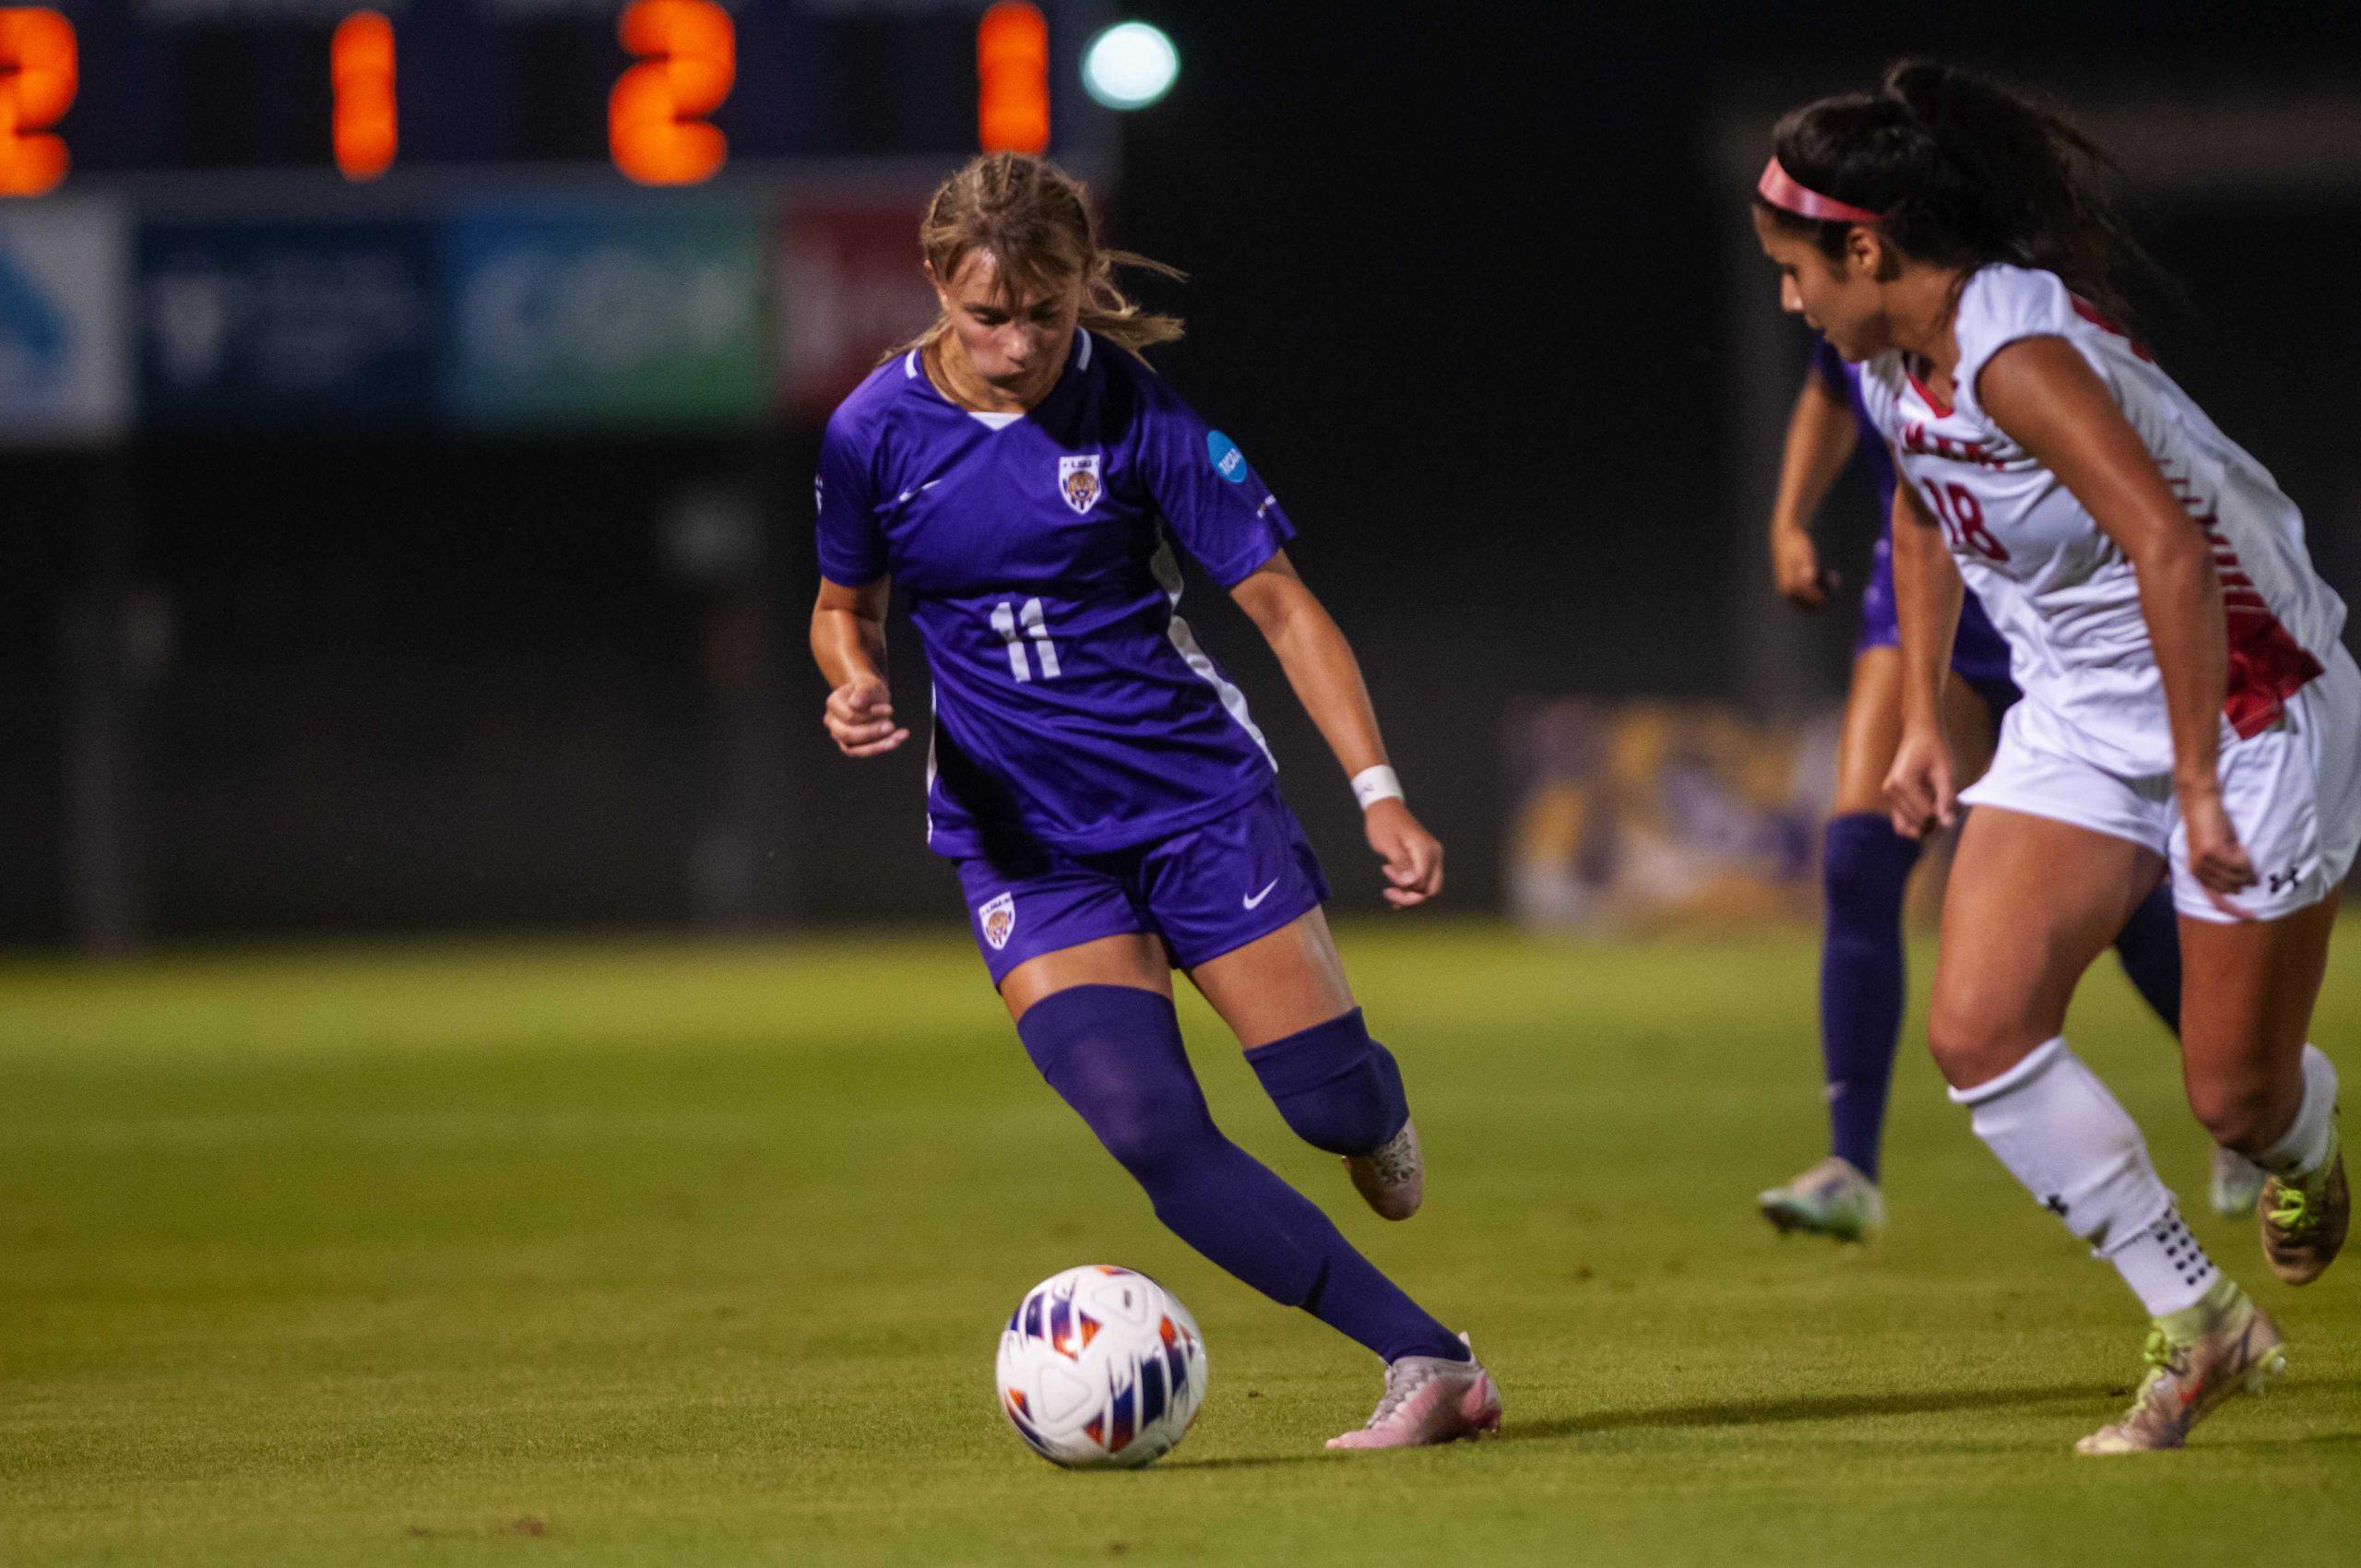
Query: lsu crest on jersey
x=1078 y=481
x=999 y=917
x=1073 y=707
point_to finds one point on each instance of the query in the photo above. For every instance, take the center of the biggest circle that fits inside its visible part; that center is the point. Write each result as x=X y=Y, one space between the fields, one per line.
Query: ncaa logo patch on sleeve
x=1228 y=461
x=999 y=917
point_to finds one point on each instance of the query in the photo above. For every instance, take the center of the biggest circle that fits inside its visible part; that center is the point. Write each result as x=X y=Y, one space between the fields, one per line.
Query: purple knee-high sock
x=2148 y=948
x=1114 y=1053
x=1866 y=867
x=1339 y=1089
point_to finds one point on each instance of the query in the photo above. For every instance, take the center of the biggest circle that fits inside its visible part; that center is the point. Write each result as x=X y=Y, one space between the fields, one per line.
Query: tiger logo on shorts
x=1078 y=481
x=999 y=915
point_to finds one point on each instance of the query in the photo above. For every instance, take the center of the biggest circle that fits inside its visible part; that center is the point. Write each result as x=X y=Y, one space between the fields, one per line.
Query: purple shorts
x=1979 y=654
x=1205 y=890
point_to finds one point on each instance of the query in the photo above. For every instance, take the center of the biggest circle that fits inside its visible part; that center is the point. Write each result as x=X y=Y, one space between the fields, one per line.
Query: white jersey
x=2057 y=587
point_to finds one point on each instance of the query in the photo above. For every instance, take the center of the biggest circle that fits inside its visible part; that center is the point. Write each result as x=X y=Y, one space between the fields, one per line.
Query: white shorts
x=2293 y=793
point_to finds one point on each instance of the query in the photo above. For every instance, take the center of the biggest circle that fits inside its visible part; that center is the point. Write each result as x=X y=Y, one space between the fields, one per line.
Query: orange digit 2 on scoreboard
x=361 y=70
x=1013 y=78
x=656 y=116
x=39 y=75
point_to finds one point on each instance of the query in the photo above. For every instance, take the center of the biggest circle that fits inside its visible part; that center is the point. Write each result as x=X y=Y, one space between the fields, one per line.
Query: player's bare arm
x=1820 y=437
x=849 y=641
x=2043 y=394
x=1327 y=680
x=1922 y=785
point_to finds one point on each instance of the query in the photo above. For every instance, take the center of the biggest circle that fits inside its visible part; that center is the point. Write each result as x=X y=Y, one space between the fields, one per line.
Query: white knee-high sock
x=2061 y=1133
x=2310 y=1139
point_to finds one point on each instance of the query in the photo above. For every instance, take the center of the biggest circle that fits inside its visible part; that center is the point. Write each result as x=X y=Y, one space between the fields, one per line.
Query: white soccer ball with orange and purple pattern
x=1100 y=1366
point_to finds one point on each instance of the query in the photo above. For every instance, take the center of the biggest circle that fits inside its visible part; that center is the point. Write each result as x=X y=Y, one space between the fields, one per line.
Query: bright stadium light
x=1130 y=66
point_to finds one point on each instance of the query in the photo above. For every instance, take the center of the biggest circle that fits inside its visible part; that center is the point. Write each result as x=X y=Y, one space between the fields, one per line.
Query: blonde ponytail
x=1036 y=220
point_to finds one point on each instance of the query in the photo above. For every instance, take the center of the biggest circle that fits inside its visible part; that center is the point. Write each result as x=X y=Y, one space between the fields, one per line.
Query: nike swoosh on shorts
x=1258 y=898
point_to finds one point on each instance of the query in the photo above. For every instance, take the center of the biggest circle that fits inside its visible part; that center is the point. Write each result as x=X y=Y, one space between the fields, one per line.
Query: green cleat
x=2233 y=1183
x=2197 y=1358
x=1832 y=1198
x=2303 y=1221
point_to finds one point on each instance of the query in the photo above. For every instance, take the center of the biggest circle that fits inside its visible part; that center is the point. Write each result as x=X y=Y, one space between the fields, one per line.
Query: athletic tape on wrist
x=1372 y=785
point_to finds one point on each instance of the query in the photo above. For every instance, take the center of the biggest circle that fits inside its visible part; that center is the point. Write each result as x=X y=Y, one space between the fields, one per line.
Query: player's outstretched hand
x=1412 y=855
x=2216 y=859
x=1794 y=567
x=1918 y=790
x=860 y=717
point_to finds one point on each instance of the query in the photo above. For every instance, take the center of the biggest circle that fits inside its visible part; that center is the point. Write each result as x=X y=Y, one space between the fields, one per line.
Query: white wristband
x=1372 y=785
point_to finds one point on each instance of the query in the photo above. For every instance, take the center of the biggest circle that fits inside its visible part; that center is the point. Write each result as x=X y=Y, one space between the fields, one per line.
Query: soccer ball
x=1101 y=1366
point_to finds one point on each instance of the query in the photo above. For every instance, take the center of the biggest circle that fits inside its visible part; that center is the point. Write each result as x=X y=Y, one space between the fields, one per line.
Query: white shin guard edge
x=2309 y=1141
x=2059 y=1131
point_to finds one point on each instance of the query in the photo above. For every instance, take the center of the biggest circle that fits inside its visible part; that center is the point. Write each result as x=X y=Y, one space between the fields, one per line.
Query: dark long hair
x=1966 y=172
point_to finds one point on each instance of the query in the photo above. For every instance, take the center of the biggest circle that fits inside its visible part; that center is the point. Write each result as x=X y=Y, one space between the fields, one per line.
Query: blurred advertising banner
x=848 y=289
x=322 y=326
x=64 y=352
x=607 y=315
x=555 y=312
x=1642 y=815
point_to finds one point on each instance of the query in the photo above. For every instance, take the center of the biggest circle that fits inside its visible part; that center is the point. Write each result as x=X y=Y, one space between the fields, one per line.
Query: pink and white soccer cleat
x=1430 y=1400
x=1391 y=1177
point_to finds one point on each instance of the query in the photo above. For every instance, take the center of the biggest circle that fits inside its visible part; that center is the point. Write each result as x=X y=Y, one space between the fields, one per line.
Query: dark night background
x=1459 y=281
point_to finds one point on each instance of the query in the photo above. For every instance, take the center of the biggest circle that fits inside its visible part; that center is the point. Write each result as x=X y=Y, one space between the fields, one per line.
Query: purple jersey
x=1869 y=450
x=1073 y=707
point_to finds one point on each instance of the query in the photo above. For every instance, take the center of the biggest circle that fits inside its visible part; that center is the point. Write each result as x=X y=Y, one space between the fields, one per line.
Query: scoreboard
x=292 y=216
x=663 y=92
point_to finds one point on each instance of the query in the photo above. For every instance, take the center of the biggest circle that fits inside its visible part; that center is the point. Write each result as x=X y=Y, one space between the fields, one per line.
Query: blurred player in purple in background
x=1866 y=865
x=1023 y=478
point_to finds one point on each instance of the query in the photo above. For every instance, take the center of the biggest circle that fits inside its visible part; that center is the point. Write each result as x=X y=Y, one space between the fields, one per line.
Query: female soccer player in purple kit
x=1023 y=476
x=1865 y=864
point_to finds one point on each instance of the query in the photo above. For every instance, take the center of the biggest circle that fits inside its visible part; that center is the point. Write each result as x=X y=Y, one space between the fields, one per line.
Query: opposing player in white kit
x=2187 y=711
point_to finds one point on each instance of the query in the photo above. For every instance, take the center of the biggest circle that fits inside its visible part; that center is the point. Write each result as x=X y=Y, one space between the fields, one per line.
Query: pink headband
x=1779 y=188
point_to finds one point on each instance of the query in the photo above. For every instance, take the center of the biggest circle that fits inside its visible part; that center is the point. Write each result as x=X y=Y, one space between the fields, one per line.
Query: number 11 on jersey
x=1005 y=619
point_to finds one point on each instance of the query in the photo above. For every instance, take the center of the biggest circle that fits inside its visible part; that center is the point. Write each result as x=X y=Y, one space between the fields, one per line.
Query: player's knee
x=1974 y=1041
x=2238 y=1108
x=1114 y=1053
x=1338 y=1089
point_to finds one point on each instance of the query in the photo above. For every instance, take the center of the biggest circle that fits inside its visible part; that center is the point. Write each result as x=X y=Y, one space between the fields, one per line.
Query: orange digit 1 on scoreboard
x=39 y=75
x=656 y=116
x=1013 y=78
x=360 y=69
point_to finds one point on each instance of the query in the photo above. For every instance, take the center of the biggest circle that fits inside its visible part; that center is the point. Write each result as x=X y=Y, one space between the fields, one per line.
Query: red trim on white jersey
x=2067 y=591
x=2267 y=665
x=2106 y=323
x=1942 y=409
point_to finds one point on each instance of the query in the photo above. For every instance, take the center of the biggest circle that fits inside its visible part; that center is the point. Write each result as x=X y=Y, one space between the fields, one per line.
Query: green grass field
x=651 y=1254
